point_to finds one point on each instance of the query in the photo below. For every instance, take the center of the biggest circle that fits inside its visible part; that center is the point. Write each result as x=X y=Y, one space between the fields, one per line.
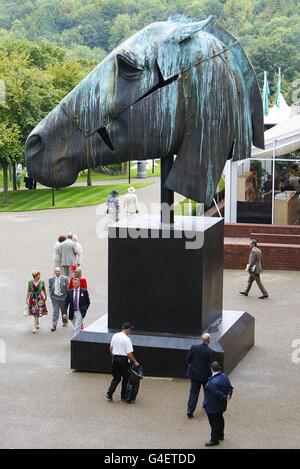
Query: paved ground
x=45 y=405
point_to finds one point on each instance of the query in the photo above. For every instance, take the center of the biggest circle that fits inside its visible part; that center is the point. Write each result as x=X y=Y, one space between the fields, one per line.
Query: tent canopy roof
x=285 y=136
x=278 y=114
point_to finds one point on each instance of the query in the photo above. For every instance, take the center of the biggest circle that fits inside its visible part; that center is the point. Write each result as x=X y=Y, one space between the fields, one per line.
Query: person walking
x=57 y=251
x=254 y=268
x=113 y=207
x=79 y=250
x=36 y=299
x=29 y=182
x=19 y=170
x=78 y=303
x=130 y=203
x=58 y=287
x=77 y=273
x=199 y=358
x=69 y=252
x=217 y=393
x=121 y=350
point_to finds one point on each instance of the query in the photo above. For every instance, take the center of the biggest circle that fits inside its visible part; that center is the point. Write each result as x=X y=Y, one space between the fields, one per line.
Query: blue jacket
x=216 y=392
x=199 y=358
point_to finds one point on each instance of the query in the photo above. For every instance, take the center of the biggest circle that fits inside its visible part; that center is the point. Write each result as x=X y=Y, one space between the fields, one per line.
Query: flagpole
x=278 y=91
x=266 y=92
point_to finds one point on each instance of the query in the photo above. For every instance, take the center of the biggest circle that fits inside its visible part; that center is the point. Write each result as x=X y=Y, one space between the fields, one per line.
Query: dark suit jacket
x=84 y=302
x=215 y=394
x=199 y=358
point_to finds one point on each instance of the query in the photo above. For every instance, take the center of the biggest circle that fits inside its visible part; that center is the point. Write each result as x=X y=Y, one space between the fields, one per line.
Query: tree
x=120 y=30
x=10 y=151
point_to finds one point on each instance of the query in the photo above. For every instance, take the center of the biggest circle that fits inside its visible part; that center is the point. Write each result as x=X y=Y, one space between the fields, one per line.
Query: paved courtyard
x=43 y=404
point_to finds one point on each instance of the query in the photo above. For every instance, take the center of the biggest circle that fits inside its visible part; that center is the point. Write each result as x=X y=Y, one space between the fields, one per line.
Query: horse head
x=174 y=88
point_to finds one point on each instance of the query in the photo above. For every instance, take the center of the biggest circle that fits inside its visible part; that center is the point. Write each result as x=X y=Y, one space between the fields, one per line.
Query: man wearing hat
x=131 y=202
x=122 y=354
x=254 y=268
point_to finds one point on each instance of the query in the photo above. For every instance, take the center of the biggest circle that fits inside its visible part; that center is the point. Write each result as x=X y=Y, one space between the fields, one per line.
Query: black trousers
x=194 y=395
x=217 y=424
x=120 y=372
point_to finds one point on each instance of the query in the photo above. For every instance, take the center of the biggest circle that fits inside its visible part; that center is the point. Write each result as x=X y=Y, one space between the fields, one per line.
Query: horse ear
x=188 y=30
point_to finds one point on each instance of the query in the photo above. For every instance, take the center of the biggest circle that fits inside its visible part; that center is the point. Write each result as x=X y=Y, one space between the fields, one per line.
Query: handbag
x=26 y=310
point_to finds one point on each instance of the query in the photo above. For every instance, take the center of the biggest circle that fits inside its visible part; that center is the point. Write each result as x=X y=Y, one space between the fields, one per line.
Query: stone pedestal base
x=164 y=355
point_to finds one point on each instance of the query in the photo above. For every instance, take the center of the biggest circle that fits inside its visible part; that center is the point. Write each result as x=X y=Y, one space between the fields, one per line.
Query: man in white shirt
x=122 y=354
x=78 y=303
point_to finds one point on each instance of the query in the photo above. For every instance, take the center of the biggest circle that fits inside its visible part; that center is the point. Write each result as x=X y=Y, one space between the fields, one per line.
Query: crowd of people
x=68 y=291
x=67 y=288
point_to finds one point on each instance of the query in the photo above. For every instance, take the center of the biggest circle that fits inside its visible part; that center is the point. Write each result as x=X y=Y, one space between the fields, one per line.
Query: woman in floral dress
x=36 y=299
x=113 y=207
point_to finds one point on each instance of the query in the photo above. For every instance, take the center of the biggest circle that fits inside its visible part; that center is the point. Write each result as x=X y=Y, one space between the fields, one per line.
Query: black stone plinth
x=165 y=278
x=164 y=355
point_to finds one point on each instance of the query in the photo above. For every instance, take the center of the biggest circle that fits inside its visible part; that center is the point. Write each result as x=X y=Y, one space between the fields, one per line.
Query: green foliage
x=89 y=29
x=10 y=148
x=36 y=78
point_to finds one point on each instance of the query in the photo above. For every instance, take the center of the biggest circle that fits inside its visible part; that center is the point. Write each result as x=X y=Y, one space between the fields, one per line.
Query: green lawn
x=99 y=176
x=104 y=177
x=75 y=196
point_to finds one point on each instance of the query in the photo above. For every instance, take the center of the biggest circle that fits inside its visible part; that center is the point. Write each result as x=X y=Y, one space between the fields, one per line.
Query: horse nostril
x=34 y=144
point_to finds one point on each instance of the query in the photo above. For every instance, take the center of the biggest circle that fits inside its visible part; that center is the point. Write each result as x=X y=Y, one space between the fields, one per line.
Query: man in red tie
x=78 y=302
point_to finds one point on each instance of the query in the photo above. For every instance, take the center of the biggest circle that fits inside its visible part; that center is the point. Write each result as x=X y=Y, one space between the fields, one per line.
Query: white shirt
x=19 y=170
x=57 y=290
x=74 y=297
x=121 y=344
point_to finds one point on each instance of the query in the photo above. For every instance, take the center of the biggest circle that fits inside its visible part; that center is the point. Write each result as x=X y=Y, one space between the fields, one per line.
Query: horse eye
x=127 y=69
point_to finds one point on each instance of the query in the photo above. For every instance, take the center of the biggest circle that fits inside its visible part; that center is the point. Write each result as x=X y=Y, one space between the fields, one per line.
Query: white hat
x=131 y=190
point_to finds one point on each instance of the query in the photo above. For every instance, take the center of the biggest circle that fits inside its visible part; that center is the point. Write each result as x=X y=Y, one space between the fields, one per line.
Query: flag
x=266 y=92
x=278 y=92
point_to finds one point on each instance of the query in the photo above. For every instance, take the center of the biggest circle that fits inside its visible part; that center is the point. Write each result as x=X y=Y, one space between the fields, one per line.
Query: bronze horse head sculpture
x=174 y=88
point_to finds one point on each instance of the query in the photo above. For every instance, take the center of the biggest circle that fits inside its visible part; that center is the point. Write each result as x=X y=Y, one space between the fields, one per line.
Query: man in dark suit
x=78 y=302
x=200 y=358
x=217 y=392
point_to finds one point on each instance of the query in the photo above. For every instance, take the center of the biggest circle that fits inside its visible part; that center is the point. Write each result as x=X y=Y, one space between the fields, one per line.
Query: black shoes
x=260 y=297
x=211 y=443
x=53 y=329
x=190 y=415
x=108 y=396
